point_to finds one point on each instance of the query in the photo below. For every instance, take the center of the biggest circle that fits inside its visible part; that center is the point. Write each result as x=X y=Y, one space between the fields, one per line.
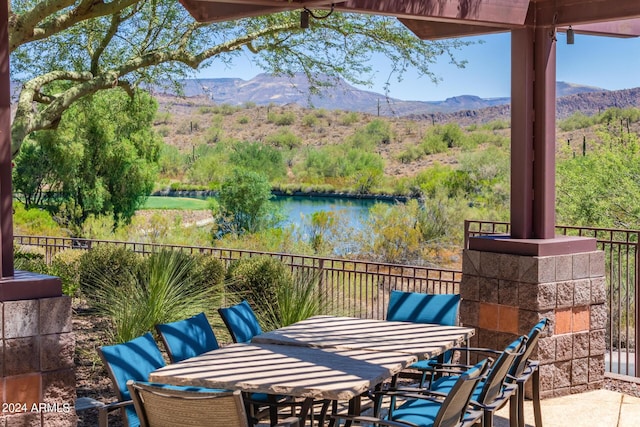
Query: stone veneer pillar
x=504 y=295
x=38 y=375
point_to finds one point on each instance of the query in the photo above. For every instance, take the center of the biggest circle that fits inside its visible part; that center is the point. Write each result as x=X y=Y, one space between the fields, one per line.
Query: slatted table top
x=319 y=373
x=422 y=340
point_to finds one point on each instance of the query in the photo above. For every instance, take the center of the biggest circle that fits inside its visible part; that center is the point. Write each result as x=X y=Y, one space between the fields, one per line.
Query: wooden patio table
x=342 y=368
x=422 y=340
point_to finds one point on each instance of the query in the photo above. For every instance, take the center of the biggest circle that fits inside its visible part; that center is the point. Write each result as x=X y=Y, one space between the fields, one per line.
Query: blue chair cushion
x=188 y=338
x=241 y=322
x=132 y=360
x=419 y=413
x=423 y=308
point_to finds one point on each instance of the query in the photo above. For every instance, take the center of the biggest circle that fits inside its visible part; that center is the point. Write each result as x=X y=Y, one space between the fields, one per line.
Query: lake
x=295 y=209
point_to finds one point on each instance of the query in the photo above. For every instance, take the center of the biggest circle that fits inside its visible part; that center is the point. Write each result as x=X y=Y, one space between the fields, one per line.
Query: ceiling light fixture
x=570 y=36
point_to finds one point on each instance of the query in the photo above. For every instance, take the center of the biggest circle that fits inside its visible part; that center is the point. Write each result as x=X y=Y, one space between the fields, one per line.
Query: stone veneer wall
x=504 y=295
x=38 y=375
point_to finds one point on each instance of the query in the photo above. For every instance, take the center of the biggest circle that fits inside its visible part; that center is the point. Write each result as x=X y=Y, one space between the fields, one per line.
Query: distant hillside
x=265 y=89
x=588 y=103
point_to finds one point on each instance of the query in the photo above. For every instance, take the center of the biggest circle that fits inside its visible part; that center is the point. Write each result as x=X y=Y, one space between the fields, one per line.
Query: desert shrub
x=115 y=262
x=162 y=291
x=320 y=113
x=243 y=120
x=496 y=125
x=376 y=132
x=66 y=265
x=226 y=109
x=410 y=154
x=285 y=119
x=205 y=109
x=310 y=120
x=248 y=105
x=257 y=279
x=258 y=157
x=433 y=144
x=30 y=259
x=35 y=222
x=284 y=138
x=162 y=117
x=349 y=118
x=171 y=162
x=213 y=135
x=577 y=120
x=208 y=271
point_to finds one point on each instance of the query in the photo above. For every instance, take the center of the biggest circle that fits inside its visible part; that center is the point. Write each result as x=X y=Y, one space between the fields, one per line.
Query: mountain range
x=266 y=89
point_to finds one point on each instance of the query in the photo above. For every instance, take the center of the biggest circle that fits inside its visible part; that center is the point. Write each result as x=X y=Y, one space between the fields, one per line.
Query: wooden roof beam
x=622 y=29
x=561 y=13
x=492 y=13
x=433 y=30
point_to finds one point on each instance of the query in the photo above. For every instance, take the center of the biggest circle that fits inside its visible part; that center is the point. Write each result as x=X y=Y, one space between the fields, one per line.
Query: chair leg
x=514 y=417
x=520 y=404
x=537 y=411
x=323 y=412
x=487 y=419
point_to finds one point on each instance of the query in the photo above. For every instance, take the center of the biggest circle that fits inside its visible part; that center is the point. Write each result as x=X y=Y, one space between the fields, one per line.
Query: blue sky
x=605 y=62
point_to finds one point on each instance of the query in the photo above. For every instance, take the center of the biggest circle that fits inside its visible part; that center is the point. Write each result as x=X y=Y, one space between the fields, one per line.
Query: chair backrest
x=441 y=309
x=495 y=380
x=132 y=360
x=165 y=406
x=241 y=322
x=454 y=406
x=532 y=340
x=188 y=337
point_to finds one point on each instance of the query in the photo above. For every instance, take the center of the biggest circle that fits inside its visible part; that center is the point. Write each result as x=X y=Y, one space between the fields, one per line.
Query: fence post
x=637 y=309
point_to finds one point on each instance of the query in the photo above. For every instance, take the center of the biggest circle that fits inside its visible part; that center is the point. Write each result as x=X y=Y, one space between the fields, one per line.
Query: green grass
x=160 y=202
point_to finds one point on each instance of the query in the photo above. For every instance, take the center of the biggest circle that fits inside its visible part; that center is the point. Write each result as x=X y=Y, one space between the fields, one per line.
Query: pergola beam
x=561 y=13
x=432 y=30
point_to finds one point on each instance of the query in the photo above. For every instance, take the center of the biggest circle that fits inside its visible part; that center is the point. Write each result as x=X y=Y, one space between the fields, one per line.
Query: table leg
x=355 y=406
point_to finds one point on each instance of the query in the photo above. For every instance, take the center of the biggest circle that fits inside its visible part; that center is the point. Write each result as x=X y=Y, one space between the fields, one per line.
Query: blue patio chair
x=440 y=309
x=494 y=390
x=132 y=360
x=241 y=322
x=433 y=409
x=188 y=337
x=524 y=368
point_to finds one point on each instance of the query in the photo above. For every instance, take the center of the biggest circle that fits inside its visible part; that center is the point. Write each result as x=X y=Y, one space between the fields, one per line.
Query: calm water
x=299 y=209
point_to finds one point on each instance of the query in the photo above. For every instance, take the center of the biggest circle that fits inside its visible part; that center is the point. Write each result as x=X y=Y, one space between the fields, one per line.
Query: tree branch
x=27 y=27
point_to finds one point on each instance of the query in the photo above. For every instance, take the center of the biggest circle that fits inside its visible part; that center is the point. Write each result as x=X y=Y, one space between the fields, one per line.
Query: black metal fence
x=350 y=287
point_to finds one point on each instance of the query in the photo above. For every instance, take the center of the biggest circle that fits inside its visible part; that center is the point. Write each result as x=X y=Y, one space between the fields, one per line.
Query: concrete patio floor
x=601 y=408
